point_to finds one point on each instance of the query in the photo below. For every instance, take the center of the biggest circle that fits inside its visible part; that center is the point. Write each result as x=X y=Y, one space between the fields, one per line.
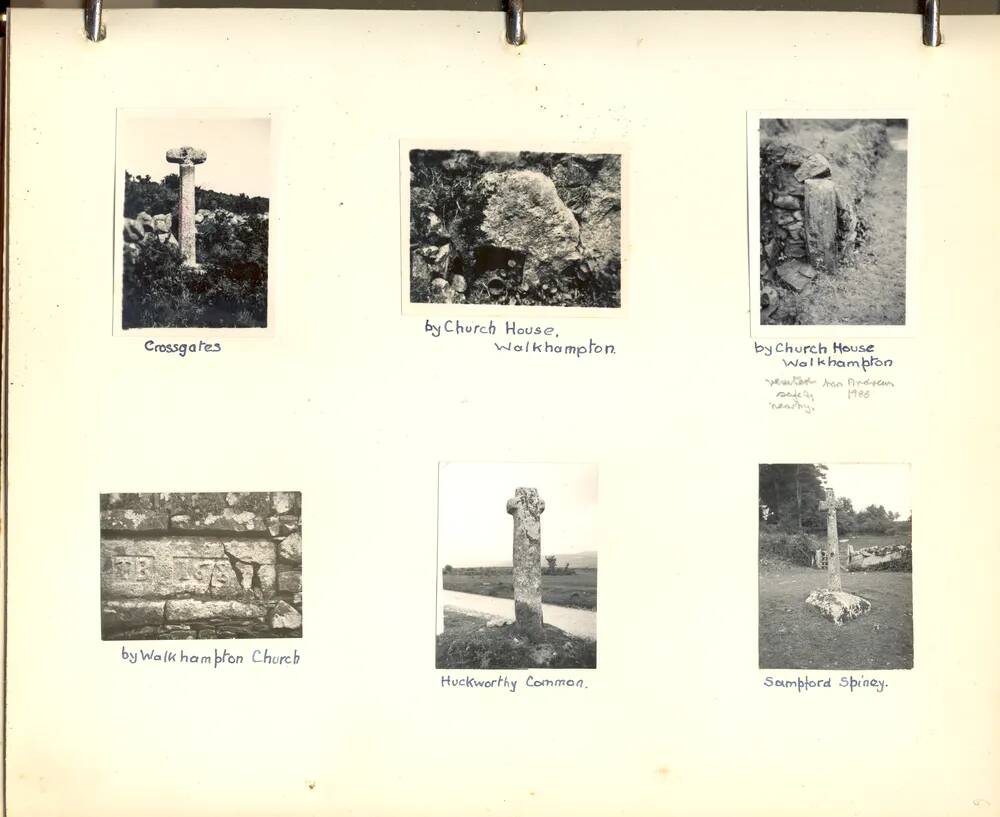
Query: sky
x=239 y=154
x=474 y=528
x=872 y=484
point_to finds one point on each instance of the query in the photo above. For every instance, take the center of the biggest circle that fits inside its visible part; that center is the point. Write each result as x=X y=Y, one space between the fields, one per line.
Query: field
x=577 y=589
x=469 y=642
x=869 y=540
x=795 y=636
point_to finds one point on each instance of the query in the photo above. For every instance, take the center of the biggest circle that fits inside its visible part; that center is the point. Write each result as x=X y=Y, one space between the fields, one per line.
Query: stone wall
x=205 y=565
x=812 y=175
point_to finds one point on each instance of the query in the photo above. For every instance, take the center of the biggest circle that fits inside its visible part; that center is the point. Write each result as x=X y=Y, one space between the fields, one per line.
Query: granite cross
x=187 y=158
x=832 y=541
x=527 y=508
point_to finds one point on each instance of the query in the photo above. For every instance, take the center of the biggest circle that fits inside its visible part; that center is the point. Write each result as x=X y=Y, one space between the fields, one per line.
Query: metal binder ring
x=92 y=21
x=932 y=22
x=515 y=22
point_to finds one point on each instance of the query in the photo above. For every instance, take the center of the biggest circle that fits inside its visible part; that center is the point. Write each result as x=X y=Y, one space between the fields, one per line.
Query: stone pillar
x=832 y=540
x=527 y=508
x=187 y=158
x=820 y=218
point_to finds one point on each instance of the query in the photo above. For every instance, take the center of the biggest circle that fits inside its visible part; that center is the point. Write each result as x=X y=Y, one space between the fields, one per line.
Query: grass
x=468 y=643
x=577 y=589
x=793 y=635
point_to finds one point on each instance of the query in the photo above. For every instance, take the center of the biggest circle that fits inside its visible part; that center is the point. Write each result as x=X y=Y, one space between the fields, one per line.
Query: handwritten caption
x=803 y=683
x=507 y=684
x=518 y=338
x=797 y=391
x=218 y=658
x=182 y=349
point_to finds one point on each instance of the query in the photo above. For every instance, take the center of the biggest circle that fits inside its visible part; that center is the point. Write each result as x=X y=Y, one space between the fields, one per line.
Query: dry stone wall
x=201 y=565
x=811 y=179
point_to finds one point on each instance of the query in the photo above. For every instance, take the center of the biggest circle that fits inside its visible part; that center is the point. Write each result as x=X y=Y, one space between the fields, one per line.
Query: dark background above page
x=948 y=7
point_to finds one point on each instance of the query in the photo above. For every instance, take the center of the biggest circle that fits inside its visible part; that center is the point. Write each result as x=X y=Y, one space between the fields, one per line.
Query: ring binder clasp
x=932 y=22
x=92 y=20
x=515 y=22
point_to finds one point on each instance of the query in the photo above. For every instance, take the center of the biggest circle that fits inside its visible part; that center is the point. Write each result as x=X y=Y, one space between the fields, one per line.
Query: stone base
x=192 y=268
x=838 y=605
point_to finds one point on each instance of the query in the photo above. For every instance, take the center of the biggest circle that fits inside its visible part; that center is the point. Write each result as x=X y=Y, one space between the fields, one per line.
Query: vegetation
x=789 y=498
x=143 y=194
x=469 y=643
x=229 y=289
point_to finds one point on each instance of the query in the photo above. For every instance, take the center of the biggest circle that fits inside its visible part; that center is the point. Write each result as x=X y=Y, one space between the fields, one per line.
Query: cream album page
x=353 y=356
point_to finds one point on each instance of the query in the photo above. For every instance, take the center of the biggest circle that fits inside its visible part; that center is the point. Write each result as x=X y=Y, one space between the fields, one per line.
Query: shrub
x=793 y=547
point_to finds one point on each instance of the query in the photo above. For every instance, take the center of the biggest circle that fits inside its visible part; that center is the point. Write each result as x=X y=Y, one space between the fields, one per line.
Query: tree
x=552 y=563
x=789 y=496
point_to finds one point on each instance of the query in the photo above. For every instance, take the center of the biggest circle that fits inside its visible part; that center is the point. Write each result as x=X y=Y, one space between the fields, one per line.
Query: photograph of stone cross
x=526 y=507
x=193 y=221
x=852 y=522
x=833 y=601
x=830 y=197
x=187 y=158
x=496 y=606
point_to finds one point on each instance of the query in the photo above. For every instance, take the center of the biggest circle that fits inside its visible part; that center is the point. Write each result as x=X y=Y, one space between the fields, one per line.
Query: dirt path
x=873 y=290
x=581 y=623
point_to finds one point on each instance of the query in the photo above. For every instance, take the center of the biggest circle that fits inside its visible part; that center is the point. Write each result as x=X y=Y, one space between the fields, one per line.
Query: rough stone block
x=267 y=576
x=787 y=202
x=838 y=605
x=118 y=615
x=285 y=617
x=197 y=609
x=821 y=223
x=816 y=166
x=290 y=580
x=139 y=502
x=291 y=548
x=251 y=551
x=284 y=502
x=133 y=520
x=168 y=566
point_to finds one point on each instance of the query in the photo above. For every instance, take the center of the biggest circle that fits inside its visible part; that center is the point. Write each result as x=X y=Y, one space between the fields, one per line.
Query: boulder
x=524 y=213
x=838 y=605
x=285 y=617
x=458 y=283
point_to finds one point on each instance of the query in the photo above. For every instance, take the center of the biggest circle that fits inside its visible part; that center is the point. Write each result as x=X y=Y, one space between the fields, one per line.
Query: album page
x=355 y=356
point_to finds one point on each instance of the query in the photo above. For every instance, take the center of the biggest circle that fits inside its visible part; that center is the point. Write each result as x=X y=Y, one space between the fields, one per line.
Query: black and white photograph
x=835 y=555
x=201 y=565
x=194 y=221
x=515 y=228
x=832 y=221
x=517 y=566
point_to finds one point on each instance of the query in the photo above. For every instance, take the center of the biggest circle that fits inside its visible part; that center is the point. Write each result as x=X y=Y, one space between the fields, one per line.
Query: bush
x=793 y=547
x=229 y=291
